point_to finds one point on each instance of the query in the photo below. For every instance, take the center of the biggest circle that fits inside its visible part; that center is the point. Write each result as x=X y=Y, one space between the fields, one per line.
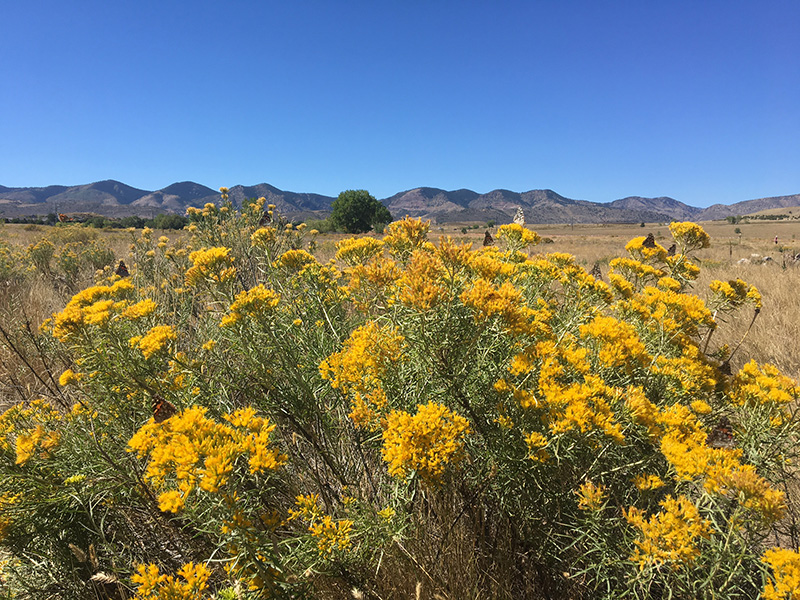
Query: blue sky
x=697 y=100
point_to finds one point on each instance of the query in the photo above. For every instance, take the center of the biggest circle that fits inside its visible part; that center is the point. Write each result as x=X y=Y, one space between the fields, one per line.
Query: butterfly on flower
x=722 y=435
x=162 y=409
x=122 y=269
x=649 y=241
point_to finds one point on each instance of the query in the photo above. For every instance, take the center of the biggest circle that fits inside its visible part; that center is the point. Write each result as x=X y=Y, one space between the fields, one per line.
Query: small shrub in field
x=238 y=418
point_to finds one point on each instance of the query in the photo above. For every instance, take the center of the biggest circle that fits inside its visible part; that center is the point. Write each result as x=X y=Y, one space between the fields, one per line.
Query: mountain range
x=115 y=199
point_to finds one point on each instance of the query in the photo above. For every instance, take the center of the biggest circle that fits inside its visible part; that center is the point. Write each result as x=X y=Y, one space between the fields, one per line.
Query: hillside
x=115 y=199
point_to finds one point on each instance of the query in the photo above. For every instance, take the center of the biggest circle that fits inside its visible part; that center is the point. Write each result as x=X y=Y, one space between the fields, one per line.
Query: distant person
x=776 y=239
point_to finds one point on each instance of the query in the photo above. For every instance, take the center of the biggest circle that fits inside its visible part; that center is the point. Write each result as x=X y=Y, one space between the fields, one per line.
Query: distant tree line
x=161 y=221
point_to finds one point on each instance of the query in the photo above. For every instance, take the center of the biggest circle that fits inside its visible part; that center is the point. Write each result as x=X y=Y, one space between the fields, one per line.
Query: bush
x=238 y=416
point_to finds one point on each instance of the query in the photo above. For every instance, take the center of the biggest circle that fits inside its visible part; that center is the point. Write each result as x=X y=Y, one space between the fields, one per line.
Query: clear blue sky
x=597 y=100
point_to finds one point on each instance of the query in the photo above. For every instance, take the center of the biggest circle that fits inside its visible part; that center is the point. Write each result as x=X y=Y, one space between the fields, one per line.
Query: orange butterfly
x=162 y=409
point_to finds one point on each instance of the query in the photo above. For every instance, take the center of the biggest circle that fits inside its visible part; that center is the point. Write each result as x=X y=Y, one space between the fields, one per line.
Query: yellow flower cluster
x=34 y=439
x=7 y=501
x=357 y=370
x=358 y=251
x=734 y=293
x=372 y=283
x=213 y=265
x=688 y=375
x=93 y=306
x=69 y=377
x=264 y=236
x=295 y=260
x=638 y=250
x=754 y=385
x=254 y=303
x=192 y=585
x=518 y=237
x=505 y=302
x=404 y=236
x=689 y=236
x=670 y=536
x=590 y=496
x=30 y=429
x=423 y=284
x=330 y=535
x=673 y=312
x=424 y=443
x=634 y=271
x=645 y=483
x=155 y=340
x=617 y=341
x=141 y=309
x=200 y=452
x=209 y=209
x=785 y=583
x=491 y=263
x=683 y=441
x=571 y=397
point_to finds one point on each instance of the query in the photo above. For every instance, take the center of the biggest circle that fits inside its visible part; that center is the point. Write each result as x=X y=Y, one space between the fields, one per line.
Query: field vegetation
x=259 y=410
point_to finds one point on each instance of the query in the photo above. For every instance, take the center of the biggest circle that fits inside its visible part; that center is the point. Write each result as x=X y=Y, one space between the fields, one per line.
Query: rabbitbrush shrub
x=240 y=420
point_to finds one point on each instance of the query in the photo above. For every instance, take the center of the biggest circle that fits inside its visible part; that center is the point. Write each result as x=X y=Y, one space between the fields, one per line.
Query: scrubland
x=261 y=411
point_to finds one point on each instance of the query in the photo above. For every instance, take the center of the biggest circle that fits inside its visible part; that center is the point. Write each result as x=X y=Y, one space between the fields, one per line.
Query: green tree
x=357 y=211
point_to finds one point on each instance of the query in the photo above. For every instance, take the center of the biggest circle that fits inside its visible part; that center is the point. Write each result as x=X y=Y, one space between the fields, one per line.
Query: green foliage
x=357 y=211
x=132 y=221
x=168 y=221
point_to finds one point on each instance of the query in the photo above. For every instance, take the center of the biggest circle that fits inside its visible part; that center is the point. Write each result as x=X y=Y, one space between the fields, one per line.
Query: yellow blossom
x=670 y=536
x=191 y=583
x=785 y=581
x=404 y=236
x=591 y=496
x=517 y=236
x=355 y=251
x=154 y=340
x=69 y=377
x=424 y=443
x=140 y=310
x=210 y=264
x=689 y=236
x=648 y=482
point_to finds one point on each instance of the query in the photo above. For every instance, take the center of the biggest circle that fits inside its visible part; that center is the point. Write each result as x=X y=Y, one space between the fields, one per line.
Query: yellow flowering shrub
x=424 y=443
x=214 y=265
x=304 y=420
x=404 y=236
x=689 y=236
x=155 y=340
x=358 y=369
x=191 y=583
x=517 y=236
x=671 y=536
x=357 y=251
x=785 y=581
x=195 y=451
x=255 y=303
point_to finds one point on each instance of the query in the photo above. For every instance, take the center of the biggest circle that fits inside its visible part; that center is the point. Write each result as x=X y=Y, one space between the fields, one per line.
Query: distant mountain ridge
x=115 y=199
